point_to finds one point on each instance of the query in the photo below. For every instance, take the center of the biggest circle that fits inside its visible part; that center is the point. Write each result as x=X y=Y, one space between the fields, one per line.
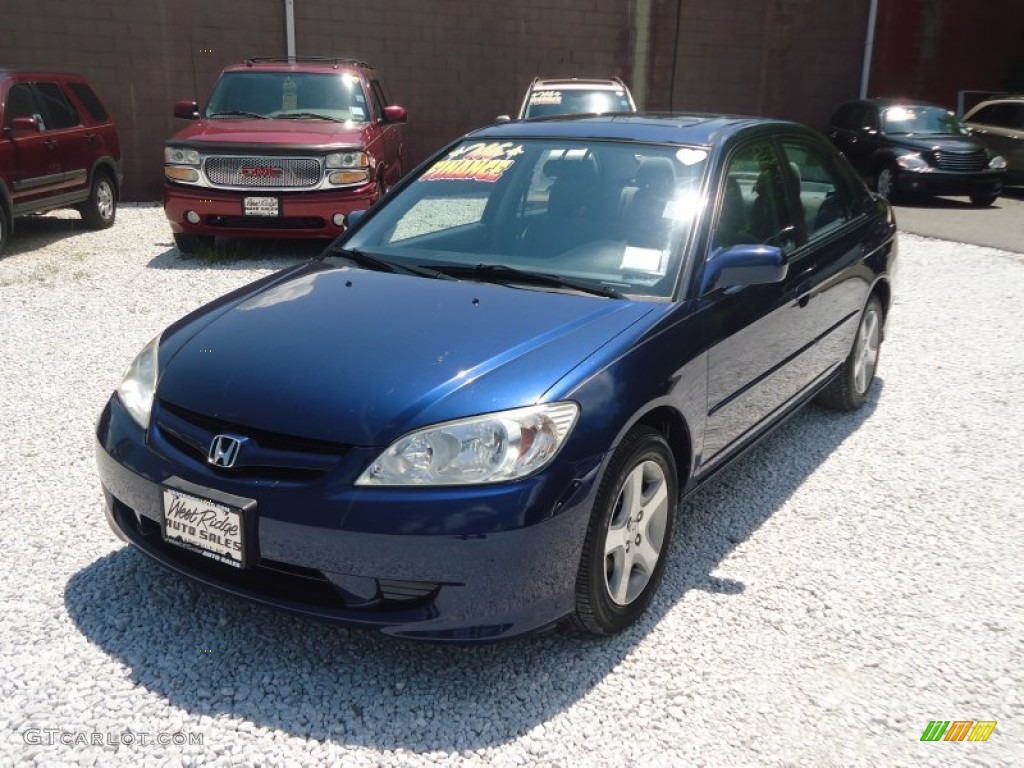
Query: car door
x=35 y=174
x=755 y=362
x=391 y=134
x=73 y=147
x=827 y=288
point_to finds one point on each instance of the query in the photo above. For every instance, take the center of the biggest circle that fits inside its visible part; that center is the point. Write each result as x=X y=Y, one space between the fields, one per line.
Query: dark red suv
x=59 y=149
x=282 y=149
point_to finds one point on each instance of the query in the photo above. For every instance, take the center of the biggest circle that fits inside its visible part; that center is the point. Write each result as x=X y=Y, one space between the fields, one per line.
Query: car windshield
x=302 y=95
x=553 y=101
x=930 y=120
x=610 y=215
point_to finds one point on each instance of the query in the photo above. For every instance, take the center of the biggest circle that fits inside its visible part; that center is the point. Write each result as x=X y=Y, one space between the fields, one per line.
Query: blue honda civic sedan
x=475 y=415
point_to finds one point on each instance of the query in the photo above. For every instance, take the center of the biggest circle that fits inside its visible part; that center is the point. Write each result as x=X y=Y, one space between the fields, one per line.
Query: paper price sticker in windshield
x=475 y=162
x=546 y=97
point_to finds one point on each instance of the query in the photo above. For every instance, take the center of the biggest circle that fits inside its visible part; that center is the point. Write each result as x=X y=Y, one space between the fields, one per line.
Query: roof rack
x=334 y=60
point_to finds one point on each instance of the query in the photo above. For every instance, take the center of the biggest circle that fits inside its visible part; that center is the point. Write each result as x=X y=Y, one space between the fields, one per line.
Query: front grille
x=965 y=162
x=268 y=455
x=262 y=172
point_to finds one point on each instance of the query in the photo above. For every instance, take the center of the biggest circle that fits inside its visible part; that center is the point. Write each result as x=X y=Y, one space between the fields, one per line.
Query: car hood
x=272 y=133
x=359 y=357
x=931 y=143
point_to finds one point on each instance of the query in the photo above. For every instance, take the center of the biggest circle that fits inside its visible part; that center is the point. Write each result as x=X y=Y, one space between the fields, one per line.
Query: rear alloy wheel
x=189 y=244
x=849 y=390
x=100 y=210
x=983 y=201
x=885 y=183
x=628 y=537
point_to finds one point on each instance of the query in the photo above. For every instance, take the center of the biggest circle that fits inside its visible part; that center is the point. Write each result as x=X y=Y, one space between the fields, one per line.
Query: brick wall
x=455 y=64
x=795 y=59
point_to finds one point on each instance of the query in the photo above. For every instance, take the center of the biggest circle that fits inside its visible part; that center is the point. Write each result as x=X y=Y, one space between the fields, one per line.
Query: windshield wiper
x=499 y=273
x=236 y=113
x=304 y=115
x=365 y=260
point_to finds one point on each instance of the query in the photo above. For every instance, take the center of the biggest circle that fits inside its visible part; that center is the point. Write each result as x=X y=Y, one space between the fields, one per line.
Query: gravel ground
x=849 y=580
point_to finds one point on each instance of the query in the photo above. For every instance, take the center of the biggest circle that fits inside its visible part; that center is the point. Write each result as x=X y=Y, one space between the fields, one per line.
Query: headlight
x=181 y=156
x=347 y=160
x=481 y=449
x=912 y=163
x=139 y=384
x=997 y=163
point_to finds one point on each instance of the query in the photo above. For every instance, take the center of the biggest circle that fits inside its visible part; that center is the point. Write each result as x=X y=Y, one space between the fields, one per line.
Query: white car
x=575 y=96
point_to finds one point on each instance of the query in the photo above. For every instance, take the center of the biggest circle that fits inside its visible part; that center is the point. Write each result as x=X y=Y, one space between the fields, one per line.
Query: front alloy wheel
x=629 y=533
x=848 y=391
x=885 y=183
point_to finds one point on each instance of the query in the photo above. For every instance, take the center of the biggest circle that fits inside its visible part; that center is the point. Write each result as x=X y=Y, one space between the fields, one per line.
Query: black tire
x=983 y=201
x=100 y=211
x=5 y=228
x=885 y=182
x=596 y=611
x=844 y=393
x=189 y=244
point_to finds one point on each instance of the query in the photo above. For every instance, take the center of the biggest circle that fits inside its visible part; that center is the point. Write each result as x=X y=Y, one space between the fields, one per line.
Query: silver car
x=999 y=124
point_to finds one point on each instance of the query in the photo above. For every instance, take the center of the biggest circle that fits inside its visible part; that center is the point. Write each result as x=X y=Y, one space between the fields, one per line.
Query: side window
x=753 y=207
x=1016 y=120
x=378 y=98
x=56 y=105
x=90 y=101
x=986 y=116
x=868 y=119
x=823 y=197
x=844 y=117
x=21 y=102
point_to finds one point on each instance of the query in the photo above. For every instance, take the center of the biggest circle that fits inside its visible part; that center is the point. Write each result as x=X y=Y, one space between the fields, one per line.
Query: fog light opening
x=338 y=219
x=192 y=217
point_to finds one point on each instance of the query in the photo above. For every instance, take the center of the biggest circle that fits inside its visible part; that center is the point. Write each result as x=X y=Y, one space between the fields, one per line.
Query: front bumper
x=948 y=183
x=443 y=564
x=302 y=214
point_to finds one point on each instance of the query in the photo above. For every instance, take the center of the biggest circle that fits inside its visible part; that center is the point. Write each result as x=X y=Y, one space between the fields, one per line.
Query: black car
x=911 y=147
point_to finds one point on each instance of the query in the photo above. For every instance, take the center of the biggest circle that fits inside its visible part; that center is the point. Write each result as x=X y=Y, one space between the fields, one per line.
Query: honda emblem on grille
x=260 y=172
x=224 y=450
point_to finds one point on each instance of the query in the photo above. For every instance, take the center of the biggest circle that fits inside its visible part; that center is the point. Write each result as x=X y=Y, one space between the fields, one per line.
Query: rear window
x=90 y=101
x=554 y=101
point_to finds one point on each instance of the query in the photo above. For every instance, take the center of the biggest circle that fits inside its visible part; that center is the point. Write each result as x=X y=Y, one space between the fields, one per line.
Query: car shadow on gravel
x=34 y=233
x=240 y=254
x=215 y=655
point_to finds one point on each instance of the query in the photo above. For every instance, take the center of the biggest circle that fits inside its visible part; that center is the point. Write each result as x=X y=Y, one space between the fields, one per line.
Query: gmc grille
x=262 y=172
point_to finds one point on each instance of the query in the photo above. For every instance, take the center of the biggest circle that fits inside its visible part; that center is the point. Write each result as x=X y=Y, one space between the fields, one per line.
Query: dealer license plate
x=204 y=526
x=261 y=206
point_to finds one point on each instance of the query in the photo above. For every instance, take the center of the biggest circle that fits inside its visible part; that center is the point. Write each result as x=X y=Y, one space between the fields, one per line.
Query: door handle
x=89 y=137
x=50 y=143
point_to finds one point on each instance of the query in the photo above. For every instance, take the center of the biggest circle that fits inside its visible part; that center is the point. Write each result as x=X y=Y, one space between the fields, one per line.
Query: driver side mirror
x=744 y=265
x=186 y=110
x=23 y=125
x=395 y=114
x=353 y=218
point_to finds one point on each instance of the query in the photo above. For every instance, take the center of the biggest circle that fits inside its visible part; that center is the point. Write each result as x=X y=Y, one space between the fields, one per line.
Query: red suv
x=283 y=149
x=59 y=149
